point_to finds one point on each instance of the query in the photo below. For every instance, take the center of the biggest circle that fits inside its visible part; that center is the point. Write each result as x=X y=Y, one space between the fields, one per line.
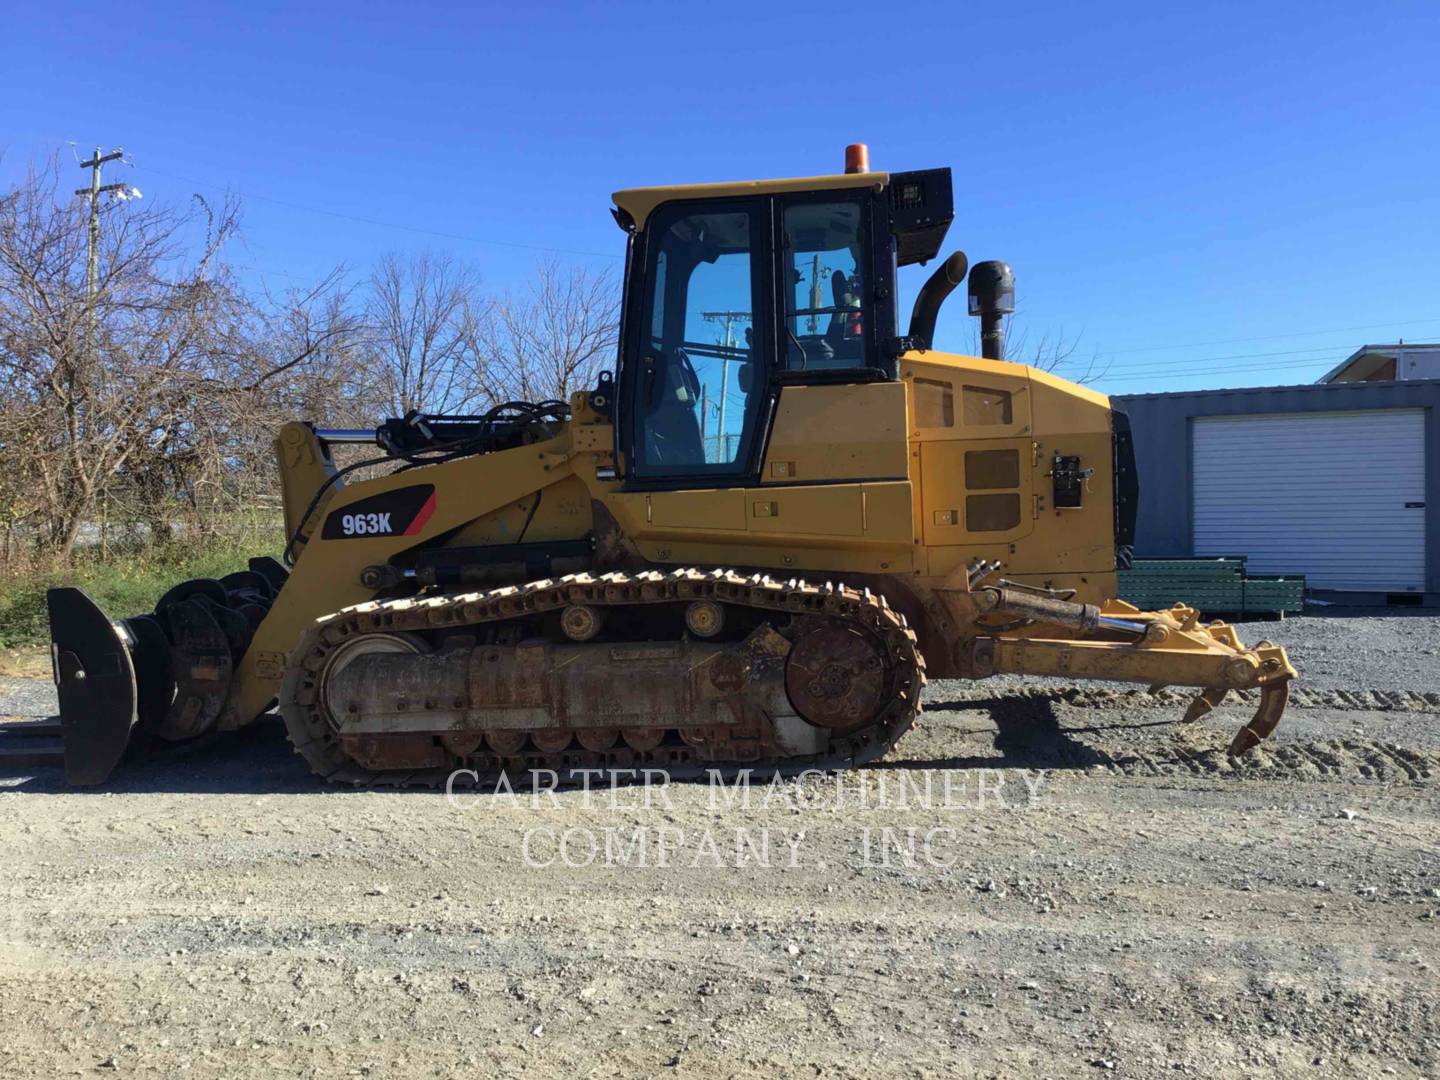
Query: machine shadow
x=1028 y=735
x=258 y=760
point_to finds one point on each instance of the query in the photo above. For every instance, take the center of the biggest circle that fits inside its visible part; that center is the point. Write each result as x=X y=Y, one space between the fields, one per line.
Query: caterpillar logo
x=402 y=512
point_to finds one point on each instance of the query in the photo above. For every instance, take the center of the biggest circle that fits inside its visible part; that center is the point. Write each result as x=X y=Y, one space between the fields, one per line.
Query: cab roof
x=638 y=203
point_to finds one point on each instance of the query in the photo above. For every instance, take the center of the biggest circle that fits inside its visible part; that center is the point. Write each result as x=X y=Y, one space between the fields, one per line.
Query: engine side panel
x=990 y=437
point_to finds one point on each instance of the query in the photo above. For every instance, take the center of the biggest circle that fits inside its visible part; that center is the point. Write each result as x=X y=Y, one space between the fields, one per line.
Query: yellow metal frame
x=850 y=487
x=640 y=202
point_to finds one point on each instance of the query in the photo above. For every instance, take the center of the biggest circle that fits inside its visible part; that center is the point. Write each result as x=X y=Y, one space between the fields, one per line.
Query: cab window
x=697 y=390
x=823 y=278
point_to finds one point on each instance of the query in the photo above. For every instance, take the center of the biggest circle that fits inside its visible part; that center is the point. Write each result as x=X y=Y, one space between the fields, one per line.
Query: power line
x=421 y=230
x=1276 y=337
x=1183 y=373
x=1248 y=356
x=267 y=270
x=1152 y=367
x=1318 y=351
x=1317 y=361
x=1188 y=361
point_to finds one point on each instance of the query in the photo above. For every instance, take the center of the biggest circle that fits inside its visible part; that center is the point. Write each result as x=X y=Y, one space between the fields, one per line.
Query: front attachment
x=95 y=679
x=159 y=676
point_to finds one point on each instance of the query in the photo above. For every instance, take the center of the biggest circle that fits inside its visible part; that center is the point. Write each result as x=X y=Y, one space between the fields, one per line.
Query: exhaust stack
x=936 y=290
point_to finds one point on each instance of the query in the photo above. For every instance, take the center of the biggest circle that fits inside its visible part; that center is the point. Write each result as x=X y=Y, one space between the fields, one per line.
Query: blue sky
x=1202 y=194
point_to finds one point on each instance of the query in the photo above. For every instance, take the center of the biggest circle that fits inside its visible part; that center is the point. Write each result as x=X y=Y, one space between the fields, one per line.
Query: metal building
x=1377 y=363
x=1339 y=482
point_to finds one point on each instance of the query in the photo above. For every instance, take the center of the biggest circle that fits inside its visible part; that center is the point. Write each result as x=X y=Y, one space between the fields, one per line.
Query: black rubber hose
x=288 y=553
x=529 y=413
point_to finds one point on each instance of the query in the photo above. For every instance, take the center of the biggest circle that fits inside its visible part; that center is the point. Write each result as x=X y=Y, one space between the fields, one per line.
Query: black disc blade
x=207 y=587
x=200 y=659
x=271 y=570
x=95 y=679
x=154 y=681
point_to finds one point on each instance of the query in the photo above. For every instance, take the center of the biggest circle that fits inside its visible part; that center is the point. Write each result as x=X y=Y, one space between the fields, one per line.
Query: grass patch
x=127 y=583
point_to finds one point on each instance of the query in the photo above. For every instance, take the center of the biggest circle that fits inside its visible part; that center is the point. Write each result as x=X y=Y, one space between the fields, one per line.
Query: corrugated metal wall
x=1349 y=515
x=1163 y=425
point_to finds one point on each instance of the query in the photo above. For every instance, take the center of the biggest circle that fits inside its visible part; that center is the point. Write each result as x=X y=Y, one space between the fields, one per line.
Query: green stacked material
x=1212 y=585
x=1274 y=594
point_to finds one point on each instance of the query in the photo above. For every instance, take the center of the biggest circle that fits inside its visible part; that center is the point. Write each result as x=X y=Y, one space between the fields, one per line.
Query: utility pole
x=92 y=260
x=728 y=318
x=92 y=281
x=817 y=298
x=94 y=191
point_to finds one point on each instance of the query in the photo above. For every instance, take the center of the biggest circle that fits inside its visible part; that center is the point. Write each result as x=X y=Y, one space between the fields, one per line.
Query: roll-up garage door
x=1338 y=497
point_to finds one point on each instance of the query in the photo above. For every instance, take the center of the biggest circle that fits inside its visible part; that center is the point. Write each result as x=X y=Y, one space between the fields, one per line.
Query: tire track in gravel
x=1301 y=697
x=1040 y=727
x=1355 y=760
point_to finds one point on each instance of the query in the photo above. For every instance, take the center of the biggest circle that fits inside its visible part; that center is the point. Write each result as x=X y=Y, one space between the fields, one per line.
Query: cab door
x=836 y=466
x=699 y=371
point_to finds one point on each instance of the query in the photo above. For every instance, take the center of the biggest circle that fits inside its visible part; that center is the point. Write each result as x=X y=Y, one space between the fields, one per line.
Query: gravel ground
x=1070 y=883
x=1361 y=651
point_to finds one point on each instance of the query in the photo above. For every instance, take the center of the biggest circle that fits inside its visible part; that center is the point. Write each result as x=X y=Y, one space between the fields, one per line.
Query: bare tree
x=1051 y=350
x=421 y=312
x=98 y=380
x=156 y=399
x=299 y=354
x=550 y=340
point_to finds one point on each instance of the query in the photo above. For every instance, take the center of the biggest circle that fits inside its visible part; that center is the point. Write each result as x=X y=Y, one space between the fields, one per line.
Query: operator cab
x=733 y=291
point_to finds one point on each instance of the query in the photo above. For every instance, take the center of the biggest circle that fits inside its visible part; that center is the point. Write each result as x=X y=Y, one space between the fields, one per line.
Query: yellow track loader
x=746 y=548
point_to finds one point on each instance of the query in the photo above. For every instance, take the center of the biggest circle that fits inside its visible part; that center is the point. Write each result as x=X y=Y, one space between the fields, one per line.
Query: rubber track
x=312 y=737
